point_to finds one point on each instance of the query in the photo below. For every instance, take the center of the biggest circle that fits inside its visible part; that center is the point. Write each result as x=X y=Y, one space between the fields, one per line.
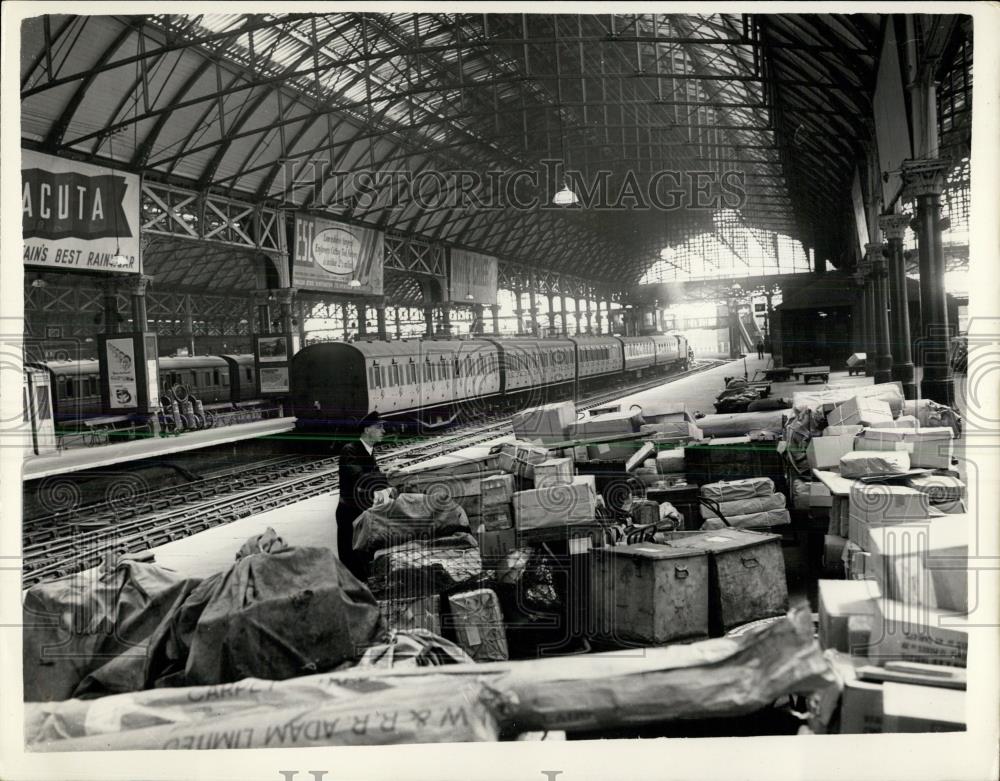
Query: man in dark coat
x=359 y=479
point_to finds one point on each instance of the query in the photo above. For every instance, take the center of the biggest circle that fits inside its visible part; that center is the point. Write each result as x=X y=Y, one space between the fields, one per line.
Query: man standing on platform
x=359 y=479
x=760 y=349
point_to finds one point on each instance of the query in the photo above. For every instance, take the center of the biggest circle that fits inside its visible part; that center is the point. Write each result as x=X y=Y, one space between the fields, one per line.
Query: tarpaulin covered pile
x=725 y=676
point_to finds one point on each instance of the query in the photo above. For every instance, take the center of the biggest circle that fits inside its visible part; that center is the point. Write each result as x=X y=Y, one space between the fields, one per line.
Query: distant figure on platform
x=760 y=349
x=359 y=479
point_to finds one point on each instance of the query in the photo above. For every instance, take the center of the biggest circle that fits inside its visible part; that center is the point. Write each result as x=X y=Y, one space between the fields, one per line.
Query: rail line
x=63 y=545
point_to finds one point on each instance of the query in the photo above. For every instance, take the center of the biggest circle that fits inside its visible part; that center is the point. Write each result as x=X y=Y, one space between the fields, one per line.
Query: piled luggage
x=881 y=470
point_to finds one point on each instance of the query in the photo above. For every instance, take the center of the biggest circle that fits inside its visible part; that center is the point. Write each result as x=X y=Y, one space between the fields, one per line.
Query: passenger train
x=214 y=379
x=334 y=384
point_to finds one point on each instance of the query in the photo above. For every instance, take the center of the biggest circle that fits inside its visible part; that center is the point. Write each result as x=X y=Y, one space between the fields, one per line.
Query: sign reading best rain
x=329 y=255
x=78 y=216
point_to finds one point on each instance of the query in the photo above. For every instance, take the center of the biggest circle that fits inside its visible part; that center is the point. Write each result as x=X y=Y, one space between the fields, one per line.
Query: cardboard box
x=923 y=563
x=880 y=503
x=670 y=461
x=618 y=451
x=928 y=448
x=519 y=458
x=839 y=600
x=909 y=708
x=862 y=410
x=843 y=431
x=495 y=545
x=553 y=471
x=661 y=411
x=547 y=423
x=861 y=708
x=825 y=452
x=497 y=490
x=932 y=447
x=833 y=553
x=856 y=359
x=554 y=506
x=906 y=421
x=605 y=425
x=915 y=633
x=819 y=495
x=647 y=450
x=495 y=518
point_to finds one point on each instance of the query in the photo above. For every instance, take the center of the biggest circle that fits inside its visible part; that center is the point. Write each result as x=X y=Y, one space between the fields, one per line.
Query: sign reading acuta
x=78 y=216
x=330 y=256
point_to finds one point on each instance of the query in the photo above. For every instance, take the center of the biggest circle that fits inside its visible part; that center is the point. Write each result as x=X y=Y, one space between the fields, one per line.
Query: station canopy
x=288 y=110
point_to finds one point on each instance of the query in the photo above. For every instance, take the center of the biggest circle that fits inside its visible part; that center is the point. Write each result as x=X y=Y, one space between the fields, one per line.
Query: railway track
x=59 y=545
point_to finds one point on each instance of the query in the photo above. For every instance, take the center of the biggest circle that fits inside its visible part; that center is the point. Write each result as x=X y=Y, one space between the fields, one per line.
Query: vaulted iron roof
x=264 y=107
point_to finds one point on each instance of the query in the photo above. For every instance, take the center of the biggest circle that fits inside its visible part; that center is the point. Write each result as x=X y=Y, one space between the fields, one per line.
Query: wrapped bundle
x=757 y=504
x=478 y=624
x=734 y=490
x=418 y=568
x=871 y=463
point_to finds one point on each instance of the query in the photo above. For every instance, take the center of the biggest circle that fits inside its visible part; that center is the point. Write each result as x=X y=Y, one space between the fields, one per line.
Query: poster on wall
x=330 y=255
x=122 y=385
x=472 y=274
x=78 y=216
x=274 y=379
x=273 y=349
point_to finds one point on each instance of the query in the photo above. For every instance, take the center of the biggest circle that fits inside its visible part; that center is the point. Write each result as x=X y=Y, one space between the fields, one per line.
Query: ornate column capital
x=140 y=283
x=875 y=254
x=924 y=177
x=894 y=226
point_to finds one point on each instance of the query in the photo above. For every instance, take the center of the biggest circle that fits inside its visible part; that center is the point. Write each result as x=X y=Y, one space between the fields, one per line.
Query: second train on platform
x=334 y=384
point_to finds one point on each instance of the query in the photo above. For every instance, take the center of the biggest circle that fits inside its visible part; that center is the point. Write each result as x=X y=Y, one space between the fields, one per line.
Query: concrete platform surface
x=76 y=459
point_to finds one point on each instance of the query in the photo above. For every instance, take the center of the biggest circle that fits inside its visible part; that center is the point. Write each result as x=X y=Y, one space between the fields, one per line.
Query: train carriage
x=639 y=352
x=535 y=363
x=671 y=350
x=335 y=383
x=598 y=356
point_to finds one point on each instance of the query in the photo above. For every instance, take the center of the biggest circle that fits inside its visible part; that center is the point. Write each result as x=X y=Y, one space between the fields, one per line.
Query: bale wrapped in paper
x=735 y=490
x=478 y=624
x=870 y=463
x=756 y=504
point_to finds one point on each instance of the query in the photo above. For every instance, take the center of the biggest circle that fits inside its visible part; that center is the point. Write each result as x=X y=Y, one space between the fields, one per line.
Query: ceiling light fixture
x=565 y=196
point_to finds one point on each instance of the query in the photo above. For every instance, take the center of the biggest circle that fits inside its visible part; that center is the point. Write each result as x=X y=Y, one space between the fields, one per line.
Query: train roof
x=593 y=339
x=67 y=368
x=191 y=361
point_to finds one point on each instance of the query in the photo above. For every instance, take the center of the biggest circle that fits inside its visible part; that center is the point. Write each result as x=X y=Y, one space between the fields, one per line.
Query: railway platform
x=311 y=521
x=78 y=459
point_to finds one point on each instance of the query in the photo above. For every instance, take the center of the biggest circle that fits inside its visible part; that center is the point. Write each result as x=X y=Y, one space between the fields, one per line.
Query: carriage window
x=215 y=377
x=249 y=373
x=225 y=379
x=69 y=387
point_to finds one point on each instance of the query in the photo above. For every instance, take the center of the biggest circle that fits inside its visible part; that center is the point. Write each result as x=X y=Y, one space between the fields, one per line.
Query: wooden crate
x=648 y=593
x=747 y=574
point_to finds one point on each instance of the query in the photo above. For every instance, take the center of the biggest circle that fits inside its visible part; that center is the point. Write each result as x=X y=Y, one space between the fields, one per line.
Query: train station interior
x=396 y=377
